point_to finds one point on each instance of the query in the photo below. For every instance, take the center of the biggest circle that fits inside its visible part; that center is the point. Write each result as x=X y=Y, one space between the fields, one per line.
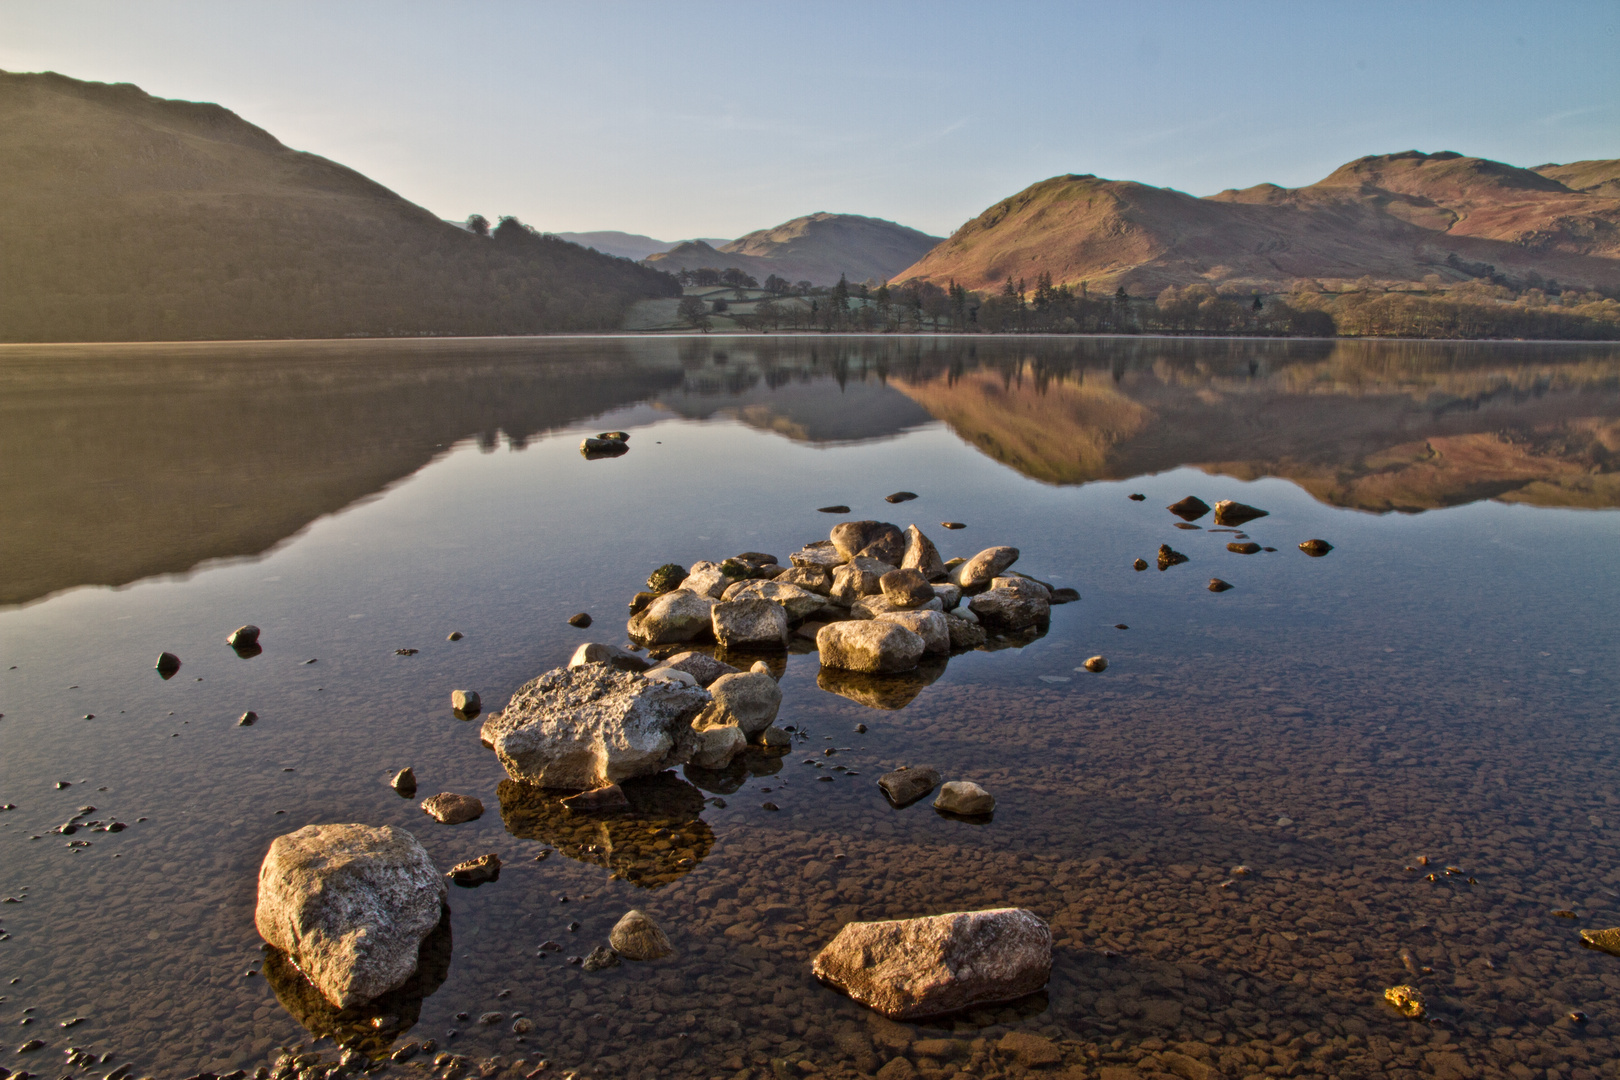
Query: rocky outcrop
x=911 y=969
x=350 y=905
x=674 y=617
x=869 y=646
x=591 y=726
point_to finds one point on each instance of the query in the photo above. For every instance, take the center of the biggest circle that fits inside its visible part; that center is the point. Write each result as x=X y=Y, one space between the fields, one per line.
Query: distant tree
x=720 y=305
x=479 y=224
x=694 y=312
x=803 y=287
x=767 y=314
x=706 y=276
x=777 y=285
x=732 y=276
x=1257 y=306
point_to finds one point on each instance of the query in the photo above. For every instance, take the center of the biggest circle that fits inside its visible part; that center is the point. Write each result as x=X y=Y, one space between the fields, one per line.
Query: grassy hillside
x=129 y=217
x=1388 y=218
x=818 y=248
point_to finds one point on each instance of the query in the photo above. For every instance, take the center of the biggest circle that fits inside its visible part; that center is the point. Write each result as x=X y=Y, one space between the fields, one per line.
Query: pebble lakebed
x=1325 y=750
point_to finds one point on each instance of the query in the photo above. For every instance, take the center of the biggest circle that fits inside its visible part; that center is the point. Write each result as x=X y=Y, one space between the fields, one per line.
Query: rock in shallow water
x=905 y=786
x=1217 y=585
x=1248 y=547
x=601 y=958
x=1189 y=509
x=922 y=556
x=591 y=726
x=666 y=578
x=404 y=783
x=701 y=666
x=466 y=701
x=594 y=652
x=869 y=646
x=637 y=937
x=243 y=637
x=747 y=700
x=906 y=588
x=1169 y=556
x=350 y=905
x=910 y=969
x=476 y=872
x=1097 y=663
x=928 y=625
x=798 y=603
x=964 y=797
x=1316 y=548
x=750 y=623
x=674 y=617
x=448 y=808
x=167 y=664
x=580 y=620
x=1229 y=513
x=876 y=539
x=987 y=564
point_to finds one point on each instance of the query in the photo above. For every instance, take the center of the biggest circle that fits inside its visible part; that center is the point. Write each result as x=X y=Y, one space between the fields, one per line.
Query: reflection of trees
x=372 y=1026
x=658 y=839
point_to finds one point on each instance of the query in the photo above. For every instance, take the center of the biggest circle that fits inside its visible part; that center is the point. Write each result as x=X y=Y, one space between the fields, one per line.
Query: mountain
x=1392 y=217
x=817 y=248
x=624 y=245
x=130 y=217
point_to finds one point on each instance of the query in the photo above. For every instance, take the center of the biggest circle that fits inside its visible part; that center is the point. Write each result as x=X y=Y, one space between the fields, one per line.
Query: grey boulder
x=822 y=553
x=748 y=701
x=798 y=603
x=982 y=567
x=928 y=625
x=922 y=556
x=816 y=579
x=592 y=726
x=593 y=652
x=750 y=623
x=350 y=906
x=672 y=618
x=877 y=539
x=910 y=969
x=448 y=808
x=708 y=579
x=869 y=646
x=703 y=668
x=715 y=747
x=1011 y=609
x=906 y=588
x=964 y=797
x=905 y=786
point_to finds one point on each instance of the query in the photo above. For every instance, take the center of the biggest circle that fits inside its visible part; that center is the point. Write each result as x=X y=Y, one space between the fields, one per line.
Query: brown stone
x=906 y=588
x=1030 y=1049
x=452 y=809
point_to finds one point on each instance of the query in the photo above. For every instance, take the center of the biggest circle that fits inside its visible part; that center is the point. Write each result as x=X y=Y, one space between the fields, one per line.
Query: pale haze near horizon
x=704 y=119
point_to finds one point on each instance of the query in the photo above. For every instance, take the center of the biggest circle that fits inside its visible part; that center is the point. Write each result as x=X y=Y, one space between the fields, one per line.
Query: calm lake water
x=1441 y=687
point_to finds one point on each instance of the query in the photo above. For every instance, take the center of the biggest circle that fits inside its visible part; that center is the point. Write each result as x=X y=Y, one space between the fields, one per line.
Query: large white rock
x=748 y=700
x=870 y=646
x=982 y=567
x=592 y=726
x=349 y=905
x=928 y=625
x=909 y=969
x=750 y=623
x=674 y=617
x=798 y=603
x=707 y=579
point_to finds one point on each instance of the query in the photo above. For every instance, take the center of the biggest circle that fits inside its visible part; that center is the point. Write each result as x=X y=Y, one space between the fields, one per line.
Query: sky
x=701 y=119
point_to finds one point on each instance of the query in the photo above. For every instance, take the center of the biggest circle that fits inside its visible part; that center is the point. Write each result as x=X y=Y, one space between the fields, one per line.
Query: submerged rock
x=1602 y=940
x=1316 y=548
x=905 y=786
x=1189 y=509
x=750 y=623
x=1217 y=585
x=869 y=646
x=350 y=905
x=964 y=797
x=601 y=958
x=637 y=937
x=592 y=449
x=1139 y=564
x=1169 y=556
x=591 y=726
x=1407 y=1001
x=448 y=808
x=1231 y=513
x=922 y=556
x=404 y=783
x=900 y=497
x=910 y=969
x=476 y=872
x=838 y=508
x=581 y=620
x=1247 y=547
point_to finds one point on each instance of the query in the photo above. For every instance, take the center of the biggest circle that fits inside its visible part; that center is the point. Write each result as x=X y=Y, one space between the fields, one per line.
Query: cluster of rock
x=873 y=598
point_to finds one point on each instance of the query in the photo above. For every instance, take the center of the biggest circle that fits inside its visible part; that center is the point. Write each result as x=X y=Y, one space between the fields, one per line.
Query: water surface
x=1440 y=686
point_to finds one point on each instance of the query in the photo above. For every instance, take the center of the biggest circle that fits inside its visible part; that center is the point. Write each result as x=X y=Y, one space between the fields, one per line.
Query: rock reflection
x=891 y=692
x=756 y=761
x=372 y=1027
x=657 y=840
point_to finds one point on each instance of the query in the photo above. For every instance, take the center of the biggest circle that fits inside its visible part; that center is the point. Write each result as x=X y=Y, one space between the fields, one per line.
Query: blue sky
x=699 y=119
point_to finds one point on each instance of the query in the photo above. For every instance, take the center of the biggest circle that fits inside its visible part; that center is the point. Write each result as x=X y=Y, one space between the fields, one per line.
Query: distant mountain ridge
x=818 y=248
x=1394 y=217
x=624 y=245
x=131 y=217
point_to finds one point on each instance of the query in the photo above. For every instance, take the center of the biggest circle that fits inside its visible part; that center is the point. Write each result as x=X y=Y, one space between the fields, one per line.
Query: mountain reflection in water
x=129 y=461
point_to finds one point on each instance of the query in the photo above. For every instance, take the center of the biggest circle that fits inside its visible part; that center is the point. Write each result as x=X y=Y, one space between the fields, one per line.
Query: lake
x=1407 y=745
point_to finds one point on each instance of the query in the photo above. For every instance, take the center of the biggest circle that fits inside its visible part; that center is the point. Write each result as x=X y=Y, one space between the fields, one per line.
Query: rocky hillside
x=1393 y=218
x=818 y=248
x=130 y=217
